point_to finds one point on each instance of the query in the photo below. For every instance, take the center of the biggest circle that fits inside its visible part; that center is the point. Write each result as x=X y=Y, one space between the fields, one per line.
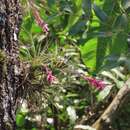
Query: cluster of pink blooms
x=98 y=84
x=40 y=22
x=50 y=77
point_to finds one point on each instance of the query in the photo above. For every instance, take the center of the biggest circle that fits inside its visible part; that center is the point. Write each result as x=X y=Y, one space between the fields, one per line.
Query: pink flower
x=45 y=27
x=40 y=22
x=50 y=78
x=99 y=84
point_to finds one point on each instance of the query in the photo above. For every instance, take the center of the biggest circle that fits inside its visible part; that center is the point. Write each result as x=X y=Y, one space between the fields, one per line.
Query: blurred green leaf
x=27 y=24
x=104 y=93
x=74 y=16
x=100 y=13
x=35 y=28
x=87 y=6
x=121 y=22
x=126 y=4
x=88 y=52
x=20 y=120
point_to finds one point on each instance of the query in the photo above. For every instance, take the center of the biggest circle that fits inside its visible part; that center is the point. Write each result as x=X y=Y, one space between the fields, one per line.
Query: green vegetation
x=69 y=48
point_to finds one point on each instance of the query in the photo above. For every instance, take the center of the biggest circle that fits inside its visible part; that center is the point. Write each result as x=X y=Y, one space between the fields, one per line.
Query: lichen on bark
x=10 y=66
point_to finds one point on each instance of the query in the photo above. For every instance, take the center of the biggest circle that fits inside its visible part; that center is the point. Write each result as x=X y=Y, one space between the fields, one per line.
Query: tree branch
x=110 y=113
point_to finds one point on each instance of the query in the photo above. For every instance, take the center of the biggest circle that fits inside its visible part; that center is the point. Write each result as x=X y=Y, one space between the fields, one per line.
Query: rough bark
x=10 y=70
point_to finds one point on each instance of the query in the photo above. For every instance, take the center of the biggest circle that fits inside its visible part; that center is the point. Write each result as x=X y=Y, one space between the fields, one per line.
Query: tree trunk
x=10 y=69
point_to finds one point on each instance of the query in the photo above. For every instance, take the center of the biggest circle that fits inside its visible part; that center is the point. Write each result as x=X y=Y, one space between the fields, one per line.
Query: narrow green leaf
x=119 y=44
x=104 y=93
x=27 y=24
x=74 y=17
x=87 y=6
x=20 y=120
x=121 y=22
x=100 y=13
x=101 y=51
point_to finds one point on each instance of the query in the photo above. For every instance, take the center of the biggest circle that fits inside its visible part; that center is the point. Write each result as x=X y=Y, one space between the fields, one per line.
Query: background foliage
x=85 y=37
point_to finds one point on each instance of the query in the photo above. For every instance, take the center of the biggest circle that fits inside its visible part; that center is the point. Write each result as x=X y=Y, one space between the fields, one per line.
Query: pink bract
x=40 y=22
x=99 y=84
x=50 y=78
